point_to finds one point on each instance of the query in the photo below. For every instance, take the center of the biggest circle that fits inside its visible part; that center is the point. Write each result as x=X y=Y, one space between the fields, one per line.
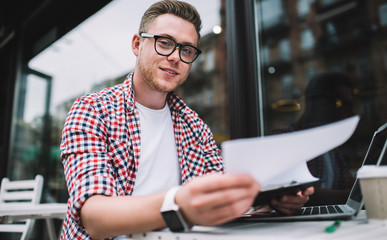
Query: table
x=47 y=211
x=357 y=229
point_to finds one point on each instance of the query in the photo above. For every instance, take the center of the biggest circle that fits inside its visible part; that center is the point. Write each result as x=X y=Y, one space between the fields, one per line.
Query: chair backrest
x=22 y=192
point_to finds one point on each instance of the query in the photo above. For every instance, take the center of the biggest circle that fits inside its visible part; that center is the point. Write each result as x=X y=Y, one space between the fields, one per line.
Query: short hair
x=178 y=8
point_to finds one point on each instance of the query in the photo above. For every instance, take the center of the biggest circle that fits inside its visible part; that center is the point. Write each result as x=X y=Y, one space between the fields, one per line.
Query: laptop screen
x=383 y=156
x=375 y=156
x=376 y=147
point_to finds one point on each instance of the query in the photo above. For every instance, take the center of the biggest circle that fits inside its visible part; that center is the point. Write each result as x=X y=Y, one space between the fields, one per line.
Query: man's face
x=165 y=73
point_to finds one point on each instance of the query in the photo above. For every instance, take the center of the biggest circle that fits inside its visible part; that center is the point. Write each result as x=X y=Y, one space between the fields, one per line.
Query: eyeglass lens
x=166 y=46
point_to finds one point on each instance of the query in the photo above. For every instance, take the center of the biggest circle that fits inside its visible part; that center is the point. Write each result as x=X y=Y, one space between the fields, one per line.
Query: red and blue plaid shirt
x=100 y=148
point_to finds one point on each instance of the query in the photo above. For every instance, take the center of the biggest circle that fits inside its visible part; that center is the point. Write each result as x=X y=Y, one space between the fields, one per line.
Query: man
x=126 y=149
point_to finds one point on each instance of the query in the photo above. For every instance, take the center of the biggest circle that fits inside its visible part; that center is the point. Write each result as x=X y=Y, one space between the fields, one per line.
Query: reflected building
x=300 y=39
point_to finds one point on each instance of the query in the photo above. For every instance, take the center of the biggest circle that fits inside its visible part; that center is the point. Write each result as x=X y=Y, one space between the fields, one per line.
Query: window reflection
x=307 y=39
x=383 y=14
x=284 y=46
x=287 y=85
x=324 y=38
x=327 y=2
x=331 y=32
x=31 y=131
x=303 y=7
x=272 y=12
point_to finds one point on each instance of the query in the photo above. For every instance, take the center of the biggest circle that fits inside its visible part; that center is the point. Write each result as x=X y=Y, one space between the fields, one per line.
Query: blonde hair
x=178 y=8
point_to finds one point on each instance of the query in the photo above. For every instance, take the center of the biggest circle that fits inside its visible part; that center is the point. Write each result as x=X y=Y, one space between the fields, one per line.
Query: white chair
x=14 y=193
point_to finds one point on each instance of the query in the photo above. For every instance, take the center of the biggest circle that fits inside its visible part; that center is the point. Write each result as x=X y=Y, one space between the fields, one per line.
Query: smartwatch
x=171 y=213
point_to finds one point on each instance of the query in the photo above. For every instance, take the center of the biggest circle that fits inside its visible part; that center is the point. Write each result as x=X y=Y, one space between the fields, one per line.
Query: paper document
x=282 y=158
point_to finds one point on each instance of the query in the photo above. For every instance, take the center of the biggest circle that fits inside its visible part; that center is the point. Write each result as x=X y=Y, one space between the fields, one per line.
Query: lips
x=168 y=70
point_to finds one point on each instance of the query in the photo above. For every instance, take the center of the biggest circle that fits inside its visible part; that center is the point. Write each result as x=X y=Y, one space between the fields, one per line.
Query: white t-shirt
x=159 y=167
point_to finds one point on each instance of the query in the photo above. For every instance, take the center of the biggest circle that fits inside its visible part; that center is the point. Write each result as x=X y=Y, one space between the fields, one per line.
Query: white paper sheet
x=299 y=173
x=283 y=157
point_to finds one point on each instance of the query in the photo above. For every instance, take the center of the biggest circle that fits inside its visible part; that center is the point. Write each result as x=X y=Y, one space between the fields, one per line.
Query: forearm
x=207 y=200
x=104 y=216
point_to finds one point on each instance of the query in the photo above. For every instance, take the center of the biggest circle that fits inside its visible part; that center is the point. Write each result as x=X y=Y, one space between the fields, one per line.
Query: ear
x=136 y=44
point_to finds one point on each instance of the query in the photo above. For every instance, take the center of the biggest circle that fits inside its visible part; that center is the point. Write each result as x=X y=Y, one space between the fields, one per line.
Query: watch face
x=173 y=221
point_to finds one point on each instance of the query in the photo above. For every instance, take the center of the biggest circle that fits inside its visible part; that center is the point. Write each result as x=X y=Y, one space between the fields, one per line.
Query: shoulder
x=178 y=106
x=113 y=97
x=106 y=96
x=187 y=119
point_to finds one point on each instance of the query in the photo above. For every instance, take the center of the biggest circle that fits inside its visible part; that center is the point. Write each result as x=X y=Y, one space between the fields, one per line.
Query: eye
x=165 y=43
x=188 y=51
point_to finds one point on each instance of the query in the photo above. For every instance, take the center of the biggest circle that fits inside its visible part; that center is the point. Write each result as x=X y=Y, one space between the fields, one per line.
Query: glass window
x=304 y=6
x=307 y=39
x=287 y=82
x=336 y=69
x=95 y=55
x=331 y=32
x=272 y=12
x=383 y=14
x=265 y=53
x=210 y=61
x=31 y=127
x=327 y=2
x=285 y=51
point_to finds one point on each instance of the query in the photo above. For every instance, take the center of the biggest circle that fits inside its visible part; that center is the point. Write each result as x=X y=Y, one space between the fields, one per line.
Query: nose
x=175 y=55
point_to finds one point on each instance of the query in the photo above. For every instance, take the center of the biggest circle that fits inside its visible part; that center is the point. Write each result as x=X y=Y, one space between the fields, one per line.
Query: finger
x=223 y=214
x=209 y=193
x=285 y=211
x=291 y=202
x=262 y=209
x=199 y=208
x=309 y=191
x=215 y=182
x=299 y=198
x=286 y=205
x=224 y=198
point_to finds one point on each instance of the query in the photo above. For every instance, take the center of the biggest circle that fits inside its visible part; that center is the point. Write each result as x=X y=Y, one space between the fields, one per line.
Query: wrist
x=172 y=214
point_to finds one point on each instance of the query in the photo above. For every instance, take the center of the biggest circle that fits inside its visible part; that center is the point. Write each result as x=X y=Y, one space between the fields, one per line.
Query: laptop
x=376 y=155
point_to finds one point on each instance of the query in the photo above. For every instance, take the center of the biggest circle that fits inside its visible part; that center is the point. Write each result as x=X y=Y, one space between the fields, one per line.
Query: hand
x=215 y=199
x=289 y=204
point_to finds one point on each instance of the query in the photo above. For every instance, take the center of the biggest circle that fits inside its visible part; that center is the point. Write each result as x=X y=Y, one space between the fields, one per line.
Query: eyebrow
x=184 y=43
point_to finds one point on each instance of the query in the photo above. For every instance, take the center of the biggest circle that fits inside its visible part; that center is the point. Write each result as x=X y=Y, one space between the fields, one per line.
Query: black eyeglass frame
x=181 y=46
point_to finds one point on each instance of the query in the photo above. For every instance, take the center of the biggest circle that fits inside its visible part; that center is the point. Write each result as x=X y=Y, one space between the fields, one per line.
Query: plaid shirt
x=100 y=148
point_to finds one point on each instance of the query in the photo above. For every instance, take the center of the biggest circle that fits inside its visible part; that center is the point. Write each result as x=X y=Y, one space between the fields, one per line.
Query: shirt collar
x=130 y=99
x=174 y=101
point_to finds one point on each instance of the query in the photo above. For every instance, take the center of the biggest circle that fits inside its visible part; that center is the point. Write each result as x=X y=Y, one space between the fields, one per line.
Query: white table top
x=360 y=229
x=15 y=212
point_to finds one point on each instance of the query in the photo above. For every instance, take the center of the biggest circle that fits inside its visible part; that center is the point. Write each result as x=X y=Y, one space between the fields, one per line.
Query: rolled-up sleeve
x=84 y=155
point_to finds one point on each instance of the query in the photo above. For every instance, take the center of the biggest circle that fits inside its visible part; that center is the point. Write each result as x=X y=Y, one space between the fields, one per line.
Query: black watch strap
x=172 y=214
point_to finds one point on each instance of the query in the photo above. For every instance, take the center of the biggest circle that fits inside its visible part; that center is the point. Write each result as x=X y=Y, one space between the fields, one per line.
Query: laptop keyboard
x=331 y=209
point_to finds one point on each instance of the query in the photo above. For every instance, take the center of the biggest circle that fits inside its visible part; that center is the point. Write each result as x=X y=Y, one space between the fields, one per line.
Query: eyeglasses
x=165 y=46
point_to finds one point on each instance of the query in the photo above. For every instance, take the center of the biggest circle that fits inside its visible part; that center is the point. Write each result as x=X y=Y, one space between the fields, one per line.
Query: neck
x=146 y=95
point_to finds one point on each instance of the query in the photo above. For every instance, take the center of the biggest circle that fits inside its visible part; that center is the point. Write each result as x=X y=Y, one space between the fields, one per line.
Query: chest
x=127 y=137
